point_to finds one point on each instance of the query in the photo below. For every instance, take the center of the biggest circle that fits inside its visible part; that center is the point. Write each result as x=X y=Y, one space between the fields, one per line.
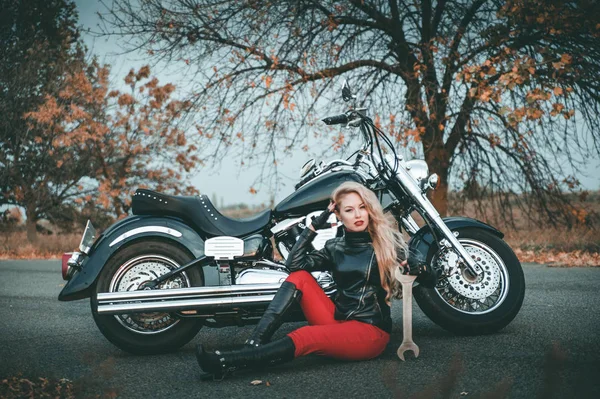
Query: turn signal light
x=433 y=181
x=65 y=266
x=71 y=261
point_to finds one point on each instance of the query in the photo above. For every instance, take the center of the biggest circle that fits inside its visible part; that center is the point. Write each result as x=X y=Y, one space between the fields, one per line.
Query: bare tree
x=486 y=90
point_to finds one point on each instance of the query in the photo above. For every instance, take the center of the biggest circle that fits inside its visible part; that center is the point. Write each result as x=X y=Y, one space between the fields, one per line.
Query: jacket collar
x=357 y=238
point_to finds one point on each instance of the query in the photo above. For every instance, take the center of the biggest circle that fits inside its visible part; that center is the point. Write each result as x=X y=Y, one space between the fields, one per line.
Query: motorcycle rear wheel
x=468 y=305
x=146 y=333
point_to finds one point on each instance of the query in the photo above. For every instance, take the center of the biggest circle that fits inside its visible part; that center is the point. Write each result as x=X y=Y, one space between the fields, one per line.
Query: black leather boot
x=220 y=363
x=286 y=295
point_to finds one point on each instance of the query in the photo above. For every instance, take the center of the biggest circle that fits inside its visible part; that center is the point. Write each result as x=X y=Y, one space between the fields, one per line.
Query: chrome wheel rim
x=137 y=271
x=474 y=295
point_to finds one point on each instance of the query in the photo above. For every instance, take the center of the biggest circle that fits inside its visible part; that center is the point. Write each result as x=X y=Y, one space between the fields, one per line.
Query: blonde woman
x=357 y=325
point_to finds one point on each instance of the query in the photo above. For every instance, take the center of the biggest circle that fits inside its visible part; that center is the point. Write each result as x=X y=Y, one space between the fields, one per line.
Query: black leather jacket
x=352 y=262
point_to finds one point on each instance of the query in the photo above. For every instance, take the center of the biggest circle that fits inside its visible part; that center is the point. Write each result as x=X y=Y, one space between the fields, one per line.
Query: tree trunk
x=439 y=162
x=31 y=224
x=439 y=197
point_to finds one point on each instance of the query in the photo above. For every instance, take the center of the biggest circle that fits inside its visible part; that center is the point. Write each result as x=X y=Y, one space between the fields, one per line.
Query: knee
x=298 y=277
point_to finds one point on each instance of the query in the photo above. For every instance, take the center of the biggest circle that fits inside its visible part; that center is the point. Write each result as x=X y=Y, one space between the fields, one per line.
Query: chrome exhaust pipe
x=184 y=304
x=190 y=291
x=205 y=298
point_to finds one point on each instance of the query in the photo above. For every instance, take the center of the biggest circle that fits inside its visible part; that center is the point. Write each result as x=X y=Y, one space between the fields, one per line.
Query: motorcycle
x=177 y=264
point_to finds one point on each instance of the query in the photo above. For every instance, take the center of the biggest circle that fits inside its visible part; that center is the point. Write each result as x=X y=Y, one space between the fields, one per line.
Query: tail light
x=65 y=267
x=70 y=263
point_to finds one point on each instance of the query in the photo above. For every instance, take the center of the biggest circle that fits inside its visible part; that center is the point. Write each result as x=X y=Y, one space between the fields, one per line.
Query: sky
x=227 y=183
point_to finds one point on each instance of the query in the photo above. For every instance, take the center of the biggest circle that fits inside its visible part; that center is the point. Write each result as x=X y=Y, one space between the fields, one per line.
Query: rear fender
x=122 y=234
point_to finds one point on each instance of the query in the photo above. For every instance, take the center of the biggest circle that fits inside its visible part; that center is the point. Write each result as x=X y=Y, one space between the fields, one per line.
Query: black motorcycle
x=155 y=278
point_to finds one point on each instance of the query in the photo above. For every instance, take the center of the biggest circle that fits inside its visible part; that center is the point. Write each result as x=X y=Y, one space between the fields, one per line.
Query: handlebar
x=336 y=120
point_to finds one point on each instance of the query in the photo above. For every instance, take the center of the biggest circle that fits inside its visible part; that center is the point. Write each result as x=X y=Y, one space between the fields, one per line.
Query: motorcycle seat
x=198 y=210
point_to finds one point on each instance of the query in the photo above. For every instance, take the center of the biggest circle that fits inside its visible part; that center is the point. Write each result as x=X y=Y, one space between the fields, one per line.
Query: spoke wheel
x=136 y=272
x=469 y=305
x=127 y=270
x=474 y=294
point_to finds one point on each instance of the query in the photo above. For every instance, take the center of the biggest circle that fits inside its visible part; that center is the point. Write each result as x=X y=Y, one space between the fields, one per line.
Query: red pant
x=348 y=340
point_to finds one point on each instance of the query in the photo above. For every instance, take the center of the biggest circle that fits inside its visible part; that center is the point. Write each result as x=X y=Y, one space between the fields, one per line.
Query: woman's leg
x=348 y=340
x=316 y=305
x=219 y=363
x=272 y=318
x=301 y=285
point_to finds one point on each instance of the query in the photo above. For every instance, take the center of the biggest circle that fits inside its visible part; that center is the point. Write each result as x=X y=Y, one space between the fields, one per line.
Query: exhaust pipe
x=192 y=298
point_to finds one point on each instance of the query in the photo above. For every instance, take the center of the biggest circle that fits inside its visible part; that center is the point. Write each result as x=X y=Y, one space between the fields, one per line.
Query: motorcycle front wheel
x=471 y=305
x=126 y=270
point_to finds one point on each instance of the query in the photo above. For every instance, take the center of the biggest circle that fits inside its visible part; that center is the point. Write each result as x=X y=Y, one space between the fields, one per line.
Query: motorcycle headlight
x=418 y=169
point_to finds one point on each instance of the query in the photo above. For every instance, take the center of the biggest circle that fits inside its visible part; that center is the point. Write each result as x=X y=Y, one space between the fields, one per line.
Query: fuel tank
x=314 y=195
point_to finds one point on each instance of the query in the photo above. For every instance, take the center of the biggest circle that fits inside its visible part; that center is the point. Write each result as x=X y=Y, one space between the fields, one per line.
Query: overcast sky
x=229 y=184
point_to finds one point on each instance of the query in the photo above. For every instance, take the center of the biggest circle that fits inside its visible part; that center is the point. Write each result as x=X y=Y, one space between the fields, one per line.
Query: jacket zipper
x=362 y=295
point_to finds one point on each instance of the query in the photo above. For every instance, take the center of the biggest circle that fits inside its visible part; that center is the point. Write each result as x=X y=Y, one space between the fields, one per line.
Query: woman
x=358 y=325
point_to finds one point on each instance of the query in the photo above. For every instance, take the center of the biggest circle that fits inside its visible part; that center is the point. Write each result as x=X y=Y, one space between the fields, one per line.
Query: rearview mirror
x=346 y=92
x=307 y=167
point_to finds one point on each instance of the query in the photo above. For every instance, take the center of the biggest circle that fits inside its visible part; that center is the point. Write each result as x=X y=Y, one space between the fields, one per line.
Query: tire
x=466 y=307
x=146 y=333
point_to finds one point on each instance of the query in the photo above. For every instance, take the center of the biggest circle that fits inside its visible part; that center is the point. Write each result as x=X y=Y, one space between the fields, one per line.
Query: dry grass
x=532 y=242
x=578 y=246
x=14 y=245
x=552 y=239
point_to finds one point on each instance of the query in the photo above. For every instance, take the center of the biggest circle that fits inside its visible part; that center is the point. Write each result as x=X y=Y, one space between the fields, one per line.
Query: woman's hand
x=331 y=206
x=415 y=265
x=320 y=222
x=403 y=267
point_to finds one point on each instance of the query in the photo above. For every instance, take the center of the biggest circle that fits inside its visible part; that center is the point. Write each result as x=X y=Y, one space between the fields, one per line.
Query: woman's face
x=353 y=212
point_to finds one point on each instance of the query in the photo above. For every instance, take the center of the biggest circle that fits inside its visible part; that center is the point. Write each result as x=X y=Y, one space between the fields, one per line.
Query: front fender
x=421 y=242
x=121 y=234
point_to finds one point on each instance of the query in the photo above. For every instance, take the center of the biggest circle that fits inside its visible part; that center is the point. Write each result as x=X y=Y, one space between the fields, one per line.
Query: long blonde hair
x=388 y=243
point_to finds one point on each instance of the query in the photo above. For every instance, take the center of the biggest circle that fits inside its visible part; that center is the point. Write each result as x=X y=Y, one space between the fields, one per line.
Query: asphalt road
x=550 y=350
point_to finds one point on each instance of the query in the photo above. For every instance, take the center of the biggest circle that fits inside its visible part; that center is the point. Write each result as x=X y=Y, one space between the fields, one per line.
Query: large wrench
x=407 y=342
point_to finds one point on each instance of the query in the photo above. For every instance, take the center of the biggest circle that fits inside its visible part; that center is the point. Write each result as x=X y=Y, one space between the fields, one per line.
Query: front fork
x=433 y=219
x=410 y=187
x=449 y=240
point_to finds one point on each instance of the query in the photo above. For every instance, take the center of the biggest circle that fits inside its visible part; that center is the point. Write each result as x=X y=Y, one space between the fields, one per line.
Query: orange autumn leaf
x=268 y=80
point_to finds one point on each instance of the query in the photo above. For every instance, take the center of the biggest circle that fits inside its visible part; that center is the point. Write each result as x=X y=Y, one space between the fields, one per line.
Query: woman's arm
x=303 y=257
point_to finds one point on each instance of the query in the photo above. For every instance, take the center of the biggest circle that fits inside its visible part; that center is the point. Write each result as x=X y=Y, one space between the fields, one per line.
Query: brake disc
x=477 y=287
x=130 y=277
